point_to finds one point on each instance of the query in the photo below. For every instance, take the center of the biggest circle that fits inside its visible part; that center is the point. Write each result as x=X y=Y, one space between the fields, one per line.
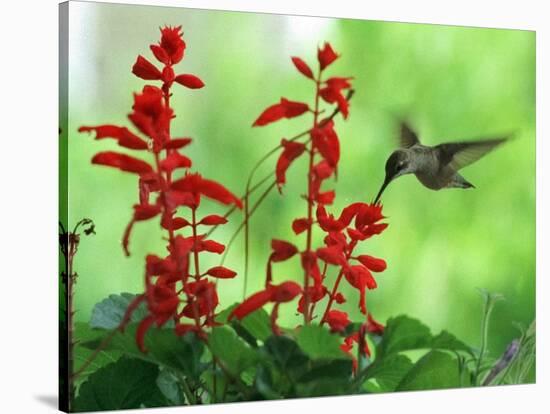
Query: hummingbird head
x=397 y=165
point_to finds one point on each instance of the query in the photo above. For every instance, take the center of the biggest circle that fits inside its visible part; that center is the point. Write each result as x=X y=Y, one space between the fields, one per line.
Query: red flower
x=282 y=250
x=372 y=263
x=332 y=255
x=332 y=93
x=122 y=161
x=300 y=225
x=284 y=109
x=302 y=67
x=221 y=272
x=291 y=151
x=146 y=70
x=337 y=320
x=175 y=160
x=373 y=326
x=277 y=294
x=124 y=137
x=171 y=47
x=195 y=185
x=326 y=142
x=360 y=278
x=326 y=56
x=146 y=211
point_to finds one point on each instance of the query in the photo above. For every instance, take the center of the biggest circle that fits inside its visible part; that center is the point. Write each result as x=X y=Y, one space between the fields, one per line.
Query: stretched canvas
x=261 y=207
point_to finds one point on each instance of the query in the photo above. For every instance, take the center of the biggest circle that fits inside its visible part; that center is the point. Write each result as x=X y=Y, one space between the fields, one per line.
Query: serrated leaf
x=234 y=353
x=164 y=348
x=402 y=334
x=258 y=324
x=168 y=384
x=125 y=384
x=388 y=372
x=446 y=340
x=434 y=370
x=318 y=343
x=108 y=313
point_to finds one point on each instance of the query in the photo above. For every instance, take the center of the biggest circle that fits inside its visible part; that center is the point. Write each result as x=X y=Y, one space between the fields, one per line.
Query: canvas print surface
x=261 y=207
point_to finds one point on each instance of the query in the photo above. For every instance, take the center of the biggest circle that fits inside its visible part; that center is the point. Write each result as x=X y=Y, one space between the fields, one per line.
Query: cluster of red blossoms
x=176 y=288
x=356 y=223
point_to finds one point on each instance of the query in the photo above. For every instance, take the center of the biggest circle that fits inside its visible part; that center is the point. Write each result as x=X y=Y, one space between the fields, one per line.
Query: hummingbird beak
x=387 y=180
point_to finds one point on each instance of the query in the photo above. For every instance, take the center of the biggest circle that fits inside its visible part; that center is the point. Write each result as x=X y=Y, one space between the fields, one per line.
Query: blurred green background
x=451 y=82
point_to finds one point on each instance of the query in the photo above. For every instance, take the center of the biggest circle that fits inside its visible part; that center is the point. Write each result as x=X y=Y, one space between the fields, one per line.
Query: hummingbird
x=435 y=167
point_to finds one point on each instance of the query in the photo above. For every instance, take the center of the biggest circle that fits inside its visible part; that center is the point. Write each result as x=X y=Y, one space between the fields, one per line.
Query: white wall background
x=28 y=207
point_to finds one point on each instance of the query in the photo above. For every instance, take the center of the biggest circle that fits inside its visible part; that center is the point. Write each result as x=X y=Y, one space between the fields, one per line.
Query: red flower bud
x=282 y=250
x=145 y=70
x=302 y=67
x=337 y=320
x=213 y=220
x=189 y=81
x=372 y=263
x=326 y=56
x=221 y=272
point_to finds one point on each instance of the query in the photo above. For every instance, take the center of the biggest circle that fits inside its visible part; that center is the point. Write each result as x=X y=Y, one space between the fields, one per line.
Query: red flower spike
x=146 y=70
x=291 y=151
x=189 y=81
x=213 y=220
x=124 y=137
x=221 y=272
x=373 y=326
x=173 y=161
x=252 y=303
x=177 y=143
x=122 y=162
x=372 y=263
x=326 y=56
x=302 y=67
x=300 y=225
x=145 y=211
x=337 y=320
x=282 y=250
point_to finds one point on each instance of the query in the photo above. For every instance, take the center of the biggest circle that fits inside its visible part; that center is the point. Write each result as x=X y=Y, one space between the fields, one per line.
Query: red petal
x=271 y=114
x=285 y=292
x=156 y=266
x=160 y=54
x=124 y=137
x=300 y=225
x=177 y=143
x=291 y=151
x=368 y=214
x=145 y=211
x=189 y=81
x=282 y=250
x=332 y=255
x=302 y=67
x=175 y=160
x=142 y=329
x=221 y=272
x=254 y=302
x=293 y=109
x=326 y=55
x=218 y=192
x=212 y=246
x=145 y=70
x=122 y=162
x=325 y=198
x=213 y=220
x=372 y=263
x=337 y=320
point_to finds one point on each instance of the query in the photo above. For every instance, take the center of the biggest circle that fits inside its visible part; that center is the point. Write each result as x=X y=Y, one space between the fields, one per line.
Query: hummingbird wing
x=408 y=137
x=458 y=155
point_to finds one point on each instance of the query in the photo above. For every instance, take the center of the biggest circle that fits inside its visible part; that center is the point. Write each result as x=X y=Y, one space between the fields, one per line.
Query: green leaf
x=108 y=313
x=323 y=387
x=168 y=384
x=337 y=369
x=388 y=372
x=434 y=370
x=164 y=348
x=317 y=342
x=258 y=324
x=446 y=340
x=402 y=334
x=127 y=383
x=234 y=353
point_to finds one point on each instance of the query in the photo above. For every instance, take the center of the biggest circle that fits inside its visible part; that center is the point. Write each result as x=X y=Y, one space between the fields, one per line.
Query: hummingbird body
x=435 y=167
